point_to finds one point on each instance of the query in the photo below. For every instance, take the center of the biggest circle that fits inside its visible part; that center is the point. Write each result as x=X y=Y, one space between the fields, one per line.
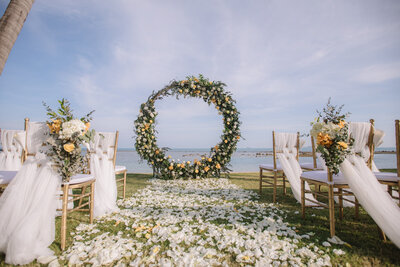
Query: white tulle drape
x=102 y=166
x=28 y=204
x=372 y=197
x=285 y=145
x=27 y=212
x=10 y=157
x=369 y=192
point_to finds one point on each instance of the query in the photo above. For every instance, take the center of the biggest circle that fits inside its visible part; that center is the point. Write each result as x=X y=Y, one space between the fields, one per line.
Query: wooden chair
x=9 y=142
x=74 y=190
x=392 y=180
x=311 y=166
x=336 y=185
x=119 y=169
x=274 y=171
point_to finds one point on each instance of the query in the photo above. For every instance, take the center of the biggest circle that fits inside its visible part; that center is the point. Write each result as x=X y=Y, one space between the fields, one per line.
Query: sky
x=281 y=60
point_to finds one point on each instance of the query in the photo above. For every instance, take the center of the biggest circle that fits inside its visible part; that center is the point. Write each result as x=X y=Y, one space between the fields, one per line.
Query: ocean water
x=243 y=160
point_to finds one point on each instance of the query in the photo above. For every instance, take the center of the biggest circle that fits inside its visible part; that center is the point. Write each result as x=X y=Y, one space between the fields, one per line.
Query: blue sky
x=280 y=59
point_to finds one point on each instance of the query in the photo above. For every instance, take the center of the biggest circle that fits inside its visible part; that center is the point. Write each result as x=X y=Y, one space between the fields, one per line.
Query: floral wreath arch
x=208 y=165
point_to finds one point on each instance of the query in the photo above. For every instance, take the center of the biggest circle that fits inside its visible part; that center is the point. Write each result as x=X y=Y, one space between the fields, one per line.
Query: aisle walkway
x=207 y=222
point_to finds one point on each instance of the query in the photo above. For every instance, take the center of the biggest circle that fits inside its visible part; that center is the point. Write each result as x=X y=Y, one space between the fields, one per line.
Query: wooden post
x=91 y=202
x=340 y=191
x=261 y=171
x=275 y=167
x=26 y=138
x=371 y=145
x=397 y=129
x=64 y=215
x=331 y=204
x=303 y=201
x=313 y=152
x=298 y=145
x=125 y=182
x=115 y=147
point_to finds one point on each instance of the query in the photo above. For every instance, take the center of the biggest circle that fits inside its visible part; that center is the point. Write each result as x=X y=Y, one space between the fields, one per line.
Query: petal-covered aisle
x=205 y=222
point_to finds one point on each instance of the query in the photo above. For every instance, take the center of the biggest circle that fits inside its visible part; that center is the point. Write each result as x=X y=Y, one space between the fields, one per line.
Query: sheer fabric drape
x=285 y=145
x=369 y=192
x=102 y=166
x=28 y=205
x=10 y=157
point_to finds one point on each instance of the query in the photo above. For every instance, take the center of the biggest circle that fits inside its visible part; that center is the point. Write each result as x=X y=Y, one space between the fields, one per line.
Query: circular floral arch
x=208 y=165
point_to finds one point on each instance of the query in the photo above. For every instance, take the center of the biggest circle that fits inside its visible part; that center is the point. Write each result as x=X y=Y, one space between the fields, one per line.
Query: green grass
x=366 y=248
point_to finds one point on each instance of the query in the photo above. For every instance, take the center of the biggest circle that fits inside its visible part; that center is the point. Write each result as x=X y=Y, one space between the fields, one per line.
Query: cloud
x=281 y=60
x=378 y=73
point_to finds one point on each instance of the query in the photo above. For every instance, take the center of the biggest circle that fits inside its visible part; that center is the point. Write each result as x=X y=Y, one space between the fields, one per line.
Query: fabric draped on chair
x=102 y=166
x=28 y=205
x=287 y=155
x=13 y=144
x=378 y=140
x=364 y=185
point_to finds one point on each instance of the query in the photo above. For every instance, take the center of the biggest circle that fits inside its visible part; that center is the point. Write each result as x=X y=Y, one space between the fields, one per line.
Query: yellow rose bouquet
x=66 y=134
x=330 y=130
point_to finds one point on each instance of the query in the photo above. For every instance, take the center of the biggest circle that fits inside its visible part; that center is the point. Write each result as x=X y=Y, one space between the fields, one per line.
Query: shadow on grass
x=366 y=247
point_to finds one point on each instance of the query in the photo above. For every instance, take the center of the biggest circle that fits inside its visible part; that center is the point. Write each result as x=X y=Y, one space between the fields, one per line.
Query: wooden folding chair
x=274 y=171
x=118 y=169
x=311 y=166
x=336 y=185
x=392 y=180
x=74 y=190
x=7 y=175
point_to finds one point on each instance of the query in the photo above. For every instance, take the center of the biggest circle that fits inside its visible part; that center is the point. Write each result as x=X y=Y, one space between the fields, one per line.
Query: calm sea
x=243 y=160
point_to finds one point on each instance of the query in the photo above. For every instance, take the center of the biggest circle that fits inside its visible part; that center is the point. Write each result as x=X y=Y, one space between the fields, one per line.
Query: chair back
x=36 y=133
x=313 y=152
x=285 y=143
x=363 y=135
x=105 y=145
x=12 y=156
x=397 y=131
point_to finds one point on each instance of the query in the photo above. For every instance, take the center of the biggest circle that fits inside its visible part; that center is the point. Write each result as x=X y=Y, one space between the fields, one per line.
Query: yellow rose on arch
x=217 y=161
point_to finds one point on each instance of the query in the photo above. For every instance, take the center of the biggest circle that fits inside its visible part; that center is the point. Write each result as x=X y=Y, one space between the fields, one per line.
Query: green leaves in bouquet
x=66 y=136
x=331 y=113
x=332 y=136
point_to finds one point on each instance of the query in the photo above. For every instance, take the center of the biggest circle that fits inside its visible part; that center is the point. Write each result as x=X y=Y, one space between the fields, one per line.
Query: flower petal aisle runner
x=203 y=222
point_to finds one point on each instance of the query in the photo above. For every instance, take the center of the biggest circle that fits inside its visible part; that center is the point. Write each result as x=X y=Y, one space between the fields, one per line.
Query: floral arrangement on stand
x=208 y=165
x=66 y=135
x=330 y=130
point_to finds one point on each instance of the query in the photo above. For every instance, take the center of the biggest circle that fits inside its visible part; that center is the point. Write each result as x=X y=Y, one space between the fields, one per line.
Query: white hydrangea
x=71 y=127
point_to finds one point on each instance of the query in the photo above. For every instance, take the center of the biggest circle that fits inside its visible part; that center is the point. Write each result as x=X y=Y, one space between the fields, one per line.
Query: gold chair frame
x=123 y=179
x=23 y=157
x=314 y=156
x=68 y=197
x=391 y=184
x=273 y=174
x=334 y=189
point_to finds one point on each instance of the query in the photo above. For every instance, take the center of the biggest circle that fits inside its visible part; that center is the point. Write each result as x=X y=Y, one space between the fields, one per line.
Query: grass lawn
x=364 y=248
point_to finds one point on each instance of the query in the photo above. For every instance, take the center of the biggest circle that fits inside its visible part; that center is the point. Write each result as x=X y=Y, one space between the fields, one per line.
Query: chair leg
x=303 y=201
x=284 y=184
x=275 y=183
x=64 y=215
x=357 y=209
x=124 y=183
x=331 y=211
x=340 y=191
x=382 y=234
x=91 y=202
x=261 y=173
